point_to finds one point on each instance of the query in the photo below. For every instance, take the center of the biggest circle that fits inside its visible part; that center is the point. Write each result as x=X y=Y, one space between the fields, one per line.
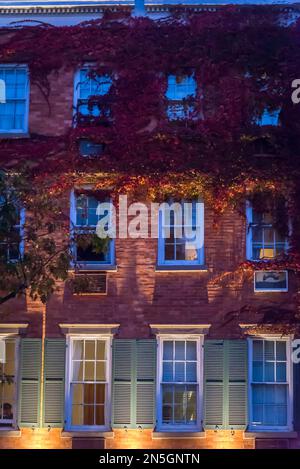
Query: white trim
x=27 y=98
x=12 y=424
x=267 y=290
x=160 y=427
x=289 y=370
x=68 y=400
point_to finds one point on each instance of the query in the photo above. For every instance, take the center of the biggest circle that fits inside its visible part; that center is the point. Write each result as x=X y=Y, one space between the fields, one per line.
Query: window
x=14 y=111
x=270 y=118
x=271 y=281
x=12 y=218
x=89 y=383
x=270 y=384
x=179 y=384
x=88 y=248
x=8 y=384
x=180 y=88
x=88 y=85
x=264 y=241
x=181 y=234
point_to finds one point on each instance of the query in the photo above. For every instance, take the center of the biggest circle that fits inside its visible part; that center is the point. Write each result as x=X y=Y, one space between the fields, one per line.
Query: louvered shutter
x=123 y=355
x=296 y=379
x=54 y=378
x=145 y=382
x=236 y=357
x=214 y=383
x=30 y=382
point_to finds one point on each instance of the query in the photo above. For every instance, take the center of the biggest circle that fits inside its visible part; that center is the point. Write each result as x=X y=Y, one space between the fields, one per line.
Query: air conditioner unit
x=270 y=281
x=89 y=283
x=2 y=351
x=89 y=149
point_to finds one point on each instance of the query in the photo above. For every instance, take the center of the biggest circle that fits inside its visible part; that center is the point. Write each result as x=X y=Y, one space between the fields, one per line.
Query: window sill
x=6 y=135
x=86 y=434
x=270 y=434
x=181 y=268
x=95 y=268
x=7 y=432
x=171 y=434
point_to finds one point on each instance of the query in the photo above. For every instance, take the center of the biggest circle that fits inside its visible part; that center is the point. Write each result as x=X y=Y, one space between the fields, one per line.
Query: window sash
x=17 y=100
x=3 y=399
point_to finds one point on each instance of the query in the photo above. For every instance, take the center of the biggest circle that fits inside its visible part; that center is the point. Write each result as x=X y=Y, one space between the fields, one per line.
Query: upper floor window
x=269 y=370
x=12 y=219
x=180 y=89
x=89 y=383
x=14 y=109
x=89 y=86
x=88 y=248
x=181 y=234
x=8 y=384
x=264 y=239
x=179 y=383
x=269 y=118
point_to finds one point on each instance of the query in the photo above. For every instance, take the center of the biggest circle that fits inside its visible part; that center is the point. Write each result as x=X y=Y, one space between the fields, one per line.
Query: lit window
x=180 y=89
x=264 y=240
x=88 y=89
x=181 y=234
x=270 y=118
x=179 y=384
x=89 y=249
x=269 y=378
x=14 y=111
x=8 y=384
x=89 y=386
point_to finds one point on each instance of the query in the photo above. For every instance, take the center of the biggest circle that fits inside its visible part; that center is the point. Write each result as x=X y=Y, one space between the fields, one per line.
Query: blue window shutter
x=236 y=351
x=214 y=384
x=30 y=383
x=296 y=378
x=145 y=383
x=54 y=379
x=122 y=395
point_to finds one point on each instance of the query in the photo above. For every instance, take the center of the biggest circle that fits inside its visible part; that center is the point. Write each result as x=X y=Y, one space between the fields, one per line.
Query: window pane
x=269 y=372
x=89 y=393
x=191 y=350
x=168 y=350
x=100 y=371
x=77 y=349
x=281 y=350
x=168 y=371
x=89 y=371
x=77 y=371
x=179 y=350
x=77 y=415
x=269 y=350
x=179 y=372
x=77 y=393
x=89 y=350
x=281 y=372
x=191 y=372
x=100 y=350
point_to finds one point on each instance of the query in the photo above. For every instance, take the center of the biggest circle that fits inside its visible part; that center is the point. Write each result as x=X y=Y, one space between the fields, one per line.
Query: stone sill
x=95 y=268
x=9 y=433
x=271 y=435
x=14 y=135
x=181 y=268
x=87 y=434
x=173 y=434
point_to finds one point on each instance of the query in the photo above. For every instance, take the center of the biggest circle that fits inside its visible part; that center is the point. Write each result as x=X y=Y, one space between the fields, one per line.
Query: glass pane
x=191 y=410
x=77 y=393
x=269 y=236
x=89 y=393
x=167 y=413
x=100 y=394
x=77 y=415
x=257 y=350
x=169 y=252
x=191 y=372
x=78 y=349
x=257 y=371
x=191 y=252
x=269 y=372
x=100 y=350
x=167 y=371
x=180 y=252
x=167 y=394
x=191 y=350
x=100 y=415
x=168 y=350
x=100 y=371
x=77 y=371
x=179 y=350
x=281 y=372
x=89 y=371
x=88 y=412
x=179 y=414
x=179 y=372
x=269 y=350
x=90 y=350
x=281 y=350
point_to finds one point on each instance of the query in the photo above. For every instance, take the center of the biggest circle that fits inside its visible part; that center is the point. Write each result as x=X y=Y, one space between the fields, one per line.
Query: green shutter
x=145 y=382
x=54 y=378
x=296 y=378
x=123 y=355
x=134 y=370
x=225 y=381
x=236 y=351
x=214 y=384
x=30 y=383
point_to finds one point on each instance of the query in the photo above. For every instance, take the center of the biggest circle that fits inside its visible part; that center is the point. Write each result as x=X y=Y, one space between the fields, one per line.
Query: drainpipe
x=139 y=8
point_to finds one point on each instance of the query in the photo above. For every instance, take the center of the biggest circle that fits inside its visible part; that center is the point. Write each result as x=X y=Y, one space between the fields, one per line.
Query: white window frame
x=86 y=265
x=270 y=290
x=161 y=242
x=161 y=338
x=175 y=107
x=12 y=424
x=27 y=91
x=289 y=372
x=68 y=398
x=76 y=93
x=249 y=244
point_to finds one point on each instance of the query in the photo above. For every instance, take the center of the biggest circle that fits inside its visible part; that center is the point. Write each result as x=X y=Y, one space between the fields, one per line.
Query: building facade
x=166 y=352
